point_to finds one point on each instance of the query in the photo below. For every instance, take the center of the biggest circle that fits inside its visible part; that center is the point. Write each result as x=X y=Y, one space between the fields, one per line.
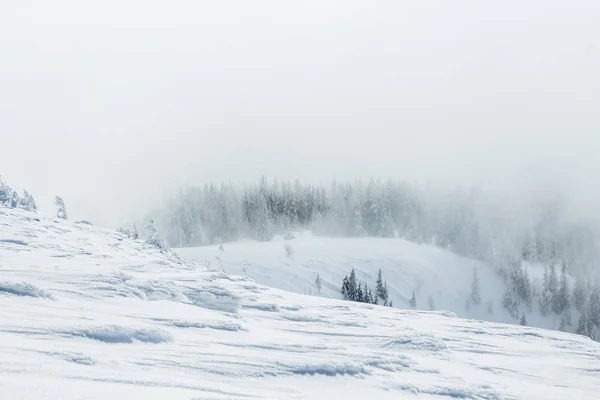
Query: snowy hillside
x=440 y=279
x=88 y=313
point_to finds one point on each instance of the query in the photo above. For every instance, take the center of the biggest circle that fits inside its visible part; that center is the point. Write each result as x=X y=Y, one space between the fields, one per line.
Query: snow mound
x=417 y=342
x=221 y=326
x=24 y=289
x=121 y=334
x=328 y=369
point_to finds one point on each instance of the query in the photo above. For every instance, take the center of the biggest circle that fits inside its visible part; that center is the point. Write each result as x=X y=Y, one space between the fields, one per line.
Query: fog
x=111 y=105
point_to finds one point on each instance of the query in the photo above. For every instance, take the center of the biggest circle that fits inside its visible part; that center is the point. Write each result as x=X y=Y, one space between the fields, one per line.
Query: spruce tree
x=359 y=294
x=560 y=299
x=475 y=296
x=413 y=301
x=352 y=286
x=552 y=280
x=584 y=327
x=318 y=283
x=579 y=293
x=381 y=288
x=523 y=320
x=345 y=288
x=509 y=302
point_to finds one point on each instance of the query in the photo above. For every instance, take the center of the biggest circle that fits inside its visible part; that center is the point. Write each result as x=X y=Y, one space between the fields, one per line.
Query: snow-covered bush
x=61 y=209
x=153 y=238
x=10 y=198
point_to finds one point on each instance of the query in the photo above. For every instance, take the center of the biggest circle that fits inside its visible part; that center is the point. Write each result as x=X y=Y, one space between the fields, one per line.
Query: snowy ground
x=88 y=314
x=440 y=279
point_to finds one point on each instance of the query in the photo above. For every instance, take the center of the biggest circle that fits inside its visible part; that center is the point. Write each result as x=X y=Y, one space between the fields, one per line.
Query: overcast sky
x=110 y=103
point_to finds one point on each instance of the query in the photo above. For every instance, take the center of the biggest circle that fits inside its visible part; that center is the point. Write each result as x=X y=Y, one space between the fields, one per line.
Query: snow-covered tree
x=381 y=288
x=27 y=202
x=153 y=238
x=510 y=302
x=580 y=293
x=413 y=301
x=523 y=321
x=585 y=325
x=475 y=296
x=318 y=283
x=560 y=298
x=61 y=209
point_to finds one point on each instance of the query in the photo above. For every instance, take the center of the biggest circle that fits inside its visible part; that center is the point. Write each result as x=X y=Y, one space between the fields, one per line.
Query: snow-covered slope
x=440 y=279
x=86 y=313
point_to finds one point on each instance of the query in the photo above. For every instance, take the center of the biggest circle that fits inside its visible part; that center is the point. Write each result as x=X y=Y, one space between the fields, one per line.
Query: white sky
x=112 y=103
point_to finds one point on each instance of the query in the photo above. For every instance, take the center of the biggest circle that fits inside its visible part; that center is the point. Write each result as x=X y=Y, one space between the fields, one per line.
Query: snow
x=436 y=276
x=89 y=314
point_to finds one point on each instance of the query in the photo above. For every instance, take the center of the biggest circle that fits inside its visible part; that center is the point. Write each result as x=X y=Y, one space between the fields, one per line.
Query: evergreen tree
x=381 y=289
x=431 y=303
x=475 y=296
x=359 y=294
x=552 y=280
x=563 y=325
x=510 y=302
x=346 y=288
x=153 y=238
x=318 y=283
x=523 y=321
x=584 y=327
x=594 y=305
x=413 y=301
x=579 y=293
x=560 y=298
x=352 y=286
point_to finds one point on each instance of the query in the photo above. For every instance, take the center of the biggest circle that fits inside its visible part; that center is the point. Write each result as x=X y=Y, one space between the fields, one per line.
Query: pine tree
x=509 y=302
x=579 y=293
x=345 y=288
x=431 y=303
x=594 y=305
x=352 y=286
x=523 y=320
x=552 y=280
x=318 y=283
x=413 y=301
x=563 y=326
x=475 y=296
x=584 y=327
x=391 y=304
x=359 y=294
x=560 y=298
x=153 y=238
x=381 y=289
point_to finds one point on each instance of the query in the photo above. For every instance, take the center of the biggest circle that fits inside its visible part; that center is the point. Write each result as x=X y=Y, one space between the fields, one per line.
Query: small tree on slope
x=153 y=238
x=61 y=209
x=523 y=321
x=413 y=301
x=560 y=298
x=318 y=283
x=381 y=289
x=475 y=296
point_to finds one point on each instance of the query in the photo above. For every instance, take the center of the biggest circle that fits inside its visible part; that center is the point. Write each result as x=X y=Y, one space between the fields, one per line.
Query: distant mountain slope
x=88 y=313
x=438 y=277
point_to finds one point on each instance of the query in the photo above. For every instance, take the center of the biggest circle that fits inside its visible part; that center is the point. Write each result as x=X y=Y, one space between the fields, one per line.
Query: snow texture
x=129 y=321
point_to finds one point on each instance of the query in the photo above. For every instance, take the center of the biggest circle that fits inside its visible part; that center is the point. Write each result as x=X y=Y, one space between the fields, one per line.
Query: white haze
x=111 y=104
